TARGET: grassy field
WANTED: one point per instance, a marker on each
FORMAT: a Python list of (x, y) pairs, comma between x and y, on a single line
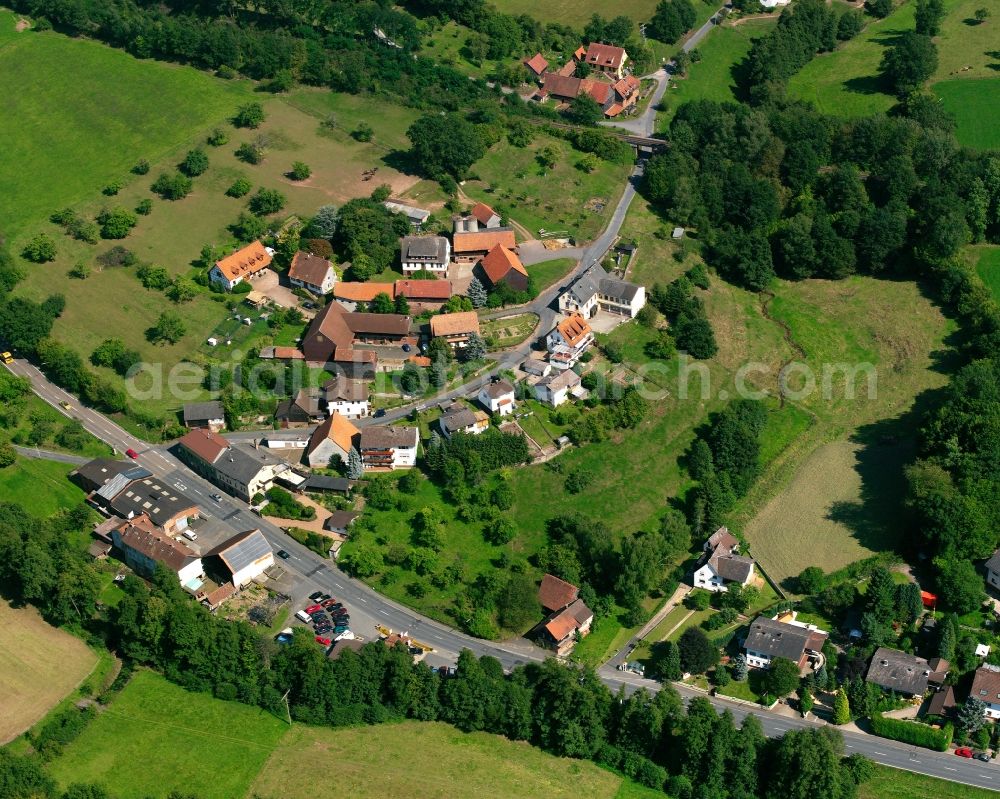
[(80, 93), (845, 82), (560, 199), (413, 759), (37, 413), (890, 783), (39, 665), (973, 103), (156, 737), (548, 272), (40, 486), (712, 77), (988, 267)]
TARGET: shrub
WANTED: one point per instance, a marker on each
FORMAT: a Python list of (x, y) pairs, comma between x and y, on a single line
[(117, 256), (40, 249), (172, 187), (195, 163), (267, 201), (240, 188), (217, 138), (300, 171), (80, 271), (250, 115), (912, 732), (116, 223), (250, 153), (363, 132), (141, 167), (112, 188)]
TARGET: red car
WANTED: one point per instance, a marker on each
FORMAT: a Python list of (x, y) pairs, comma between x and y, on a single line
[(313, 609), (328, 602), (132, 453), (321, 640), (963, 751)]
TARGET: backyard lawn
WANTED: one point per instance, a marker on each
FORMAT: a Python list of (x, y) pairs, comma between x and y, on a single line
[(156, 737), (548, 272), (509, 330)]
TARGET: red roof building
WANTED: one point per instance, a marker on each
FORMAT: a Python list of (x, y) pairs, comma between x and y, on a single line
[(536, 63), (501, 265)]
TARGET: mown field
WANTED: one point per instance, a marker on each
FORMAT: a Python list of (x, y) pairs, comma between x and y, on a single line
[(988, 266), (973, 104), (39, 486), (156, 737), (576, 13), (712, 78), (39, 665), (422, 760), (512, 178), (890, 783)]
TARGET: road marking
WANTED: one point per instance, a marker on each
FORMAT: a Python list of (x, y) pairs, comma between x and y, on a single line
[(950, 768), (850, 746), (881, 754), (383, 612)]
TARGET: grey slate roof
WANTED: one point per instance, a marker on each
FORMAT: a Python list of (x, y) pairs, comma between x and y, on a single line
[(340, 519), (498, 389), (99, 471), (993, 564), (565, 379), (778, 639), (322, 482), (456, 418), (619, 290), (733, 567), (898, 671), (203, 411), (424, 247), (241, 462), (588, 283)]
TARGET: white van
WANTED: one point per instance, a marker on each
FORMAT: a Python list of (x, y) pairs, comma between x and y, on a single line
[(190, 535), (302, 616)]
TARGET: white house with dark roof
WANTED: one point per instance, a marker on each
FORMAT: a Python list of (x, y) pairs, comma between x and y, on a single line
[(312, 273), (554, 389), (904, 673), (425, 253), (208, 415), (722, 565), (350, 398), (595, 290), (498, 397), (387, 447), (459, 418), (784, 637)]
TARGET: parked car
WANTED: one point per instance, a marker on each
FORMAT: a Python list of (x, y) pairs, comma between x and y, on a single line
[(324, 641), (283, 555), (190, 535), (65, 406), (315, 595), (380, 413), (313, 609), (6, 357), (963, 751), (302, 616), (217, 497), (339, 630), (330, 603), (323, 598), (132, 453), (982, 756)]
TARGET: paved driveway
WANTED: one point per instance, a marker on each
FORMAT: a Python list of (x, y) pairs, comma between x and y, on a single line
[(269, 284)]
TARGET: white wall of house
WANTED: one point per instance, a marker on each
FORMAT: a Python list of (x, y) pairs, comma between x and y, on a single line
[(192, 571), (757, 660), (630, 309), (992, 710), (415, 266), (568, 302), (324, 288), (350, 409), (502, 405), (404, 457), (326, 449), (705, 577), (216, 276), (549, 397), (252, 570), (993, 578)]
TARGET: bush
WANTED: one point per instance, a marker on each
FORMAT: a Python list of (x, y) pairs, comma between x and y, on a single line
[(112, 188), (144, 207), (217, 138), (117, 256), (300, 171), (250, 115), (195, 163), (363, 132), (172, 187), (250, 153), (40, 249), (267, 201), (240, 188), (116, 223), (317, 543), (912, 732), (141, 167)]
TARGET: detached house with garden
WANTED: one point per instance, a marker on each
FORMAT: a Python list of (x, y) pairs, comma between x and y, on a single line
[(244, 264), (312, 273), (784, 637), (498, 397), (569, 617), (721, 565)]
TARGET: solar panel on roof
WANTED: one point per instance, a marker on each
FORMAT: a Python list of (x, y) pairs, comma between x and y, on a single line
[(245, 552)]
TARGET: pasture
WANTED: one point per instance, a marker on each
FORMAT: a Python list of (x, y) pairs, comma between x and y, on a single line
[(712, 78), (988, 267), (973, 104), (100, 110), (563, 198), (846, 82), (39, 665), (546, 273), (40, 487), (156, 737), (413, 759)]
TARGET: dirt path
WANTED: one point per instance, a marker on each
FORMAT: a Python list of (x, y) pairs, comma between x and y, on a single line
[(786, 332)]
